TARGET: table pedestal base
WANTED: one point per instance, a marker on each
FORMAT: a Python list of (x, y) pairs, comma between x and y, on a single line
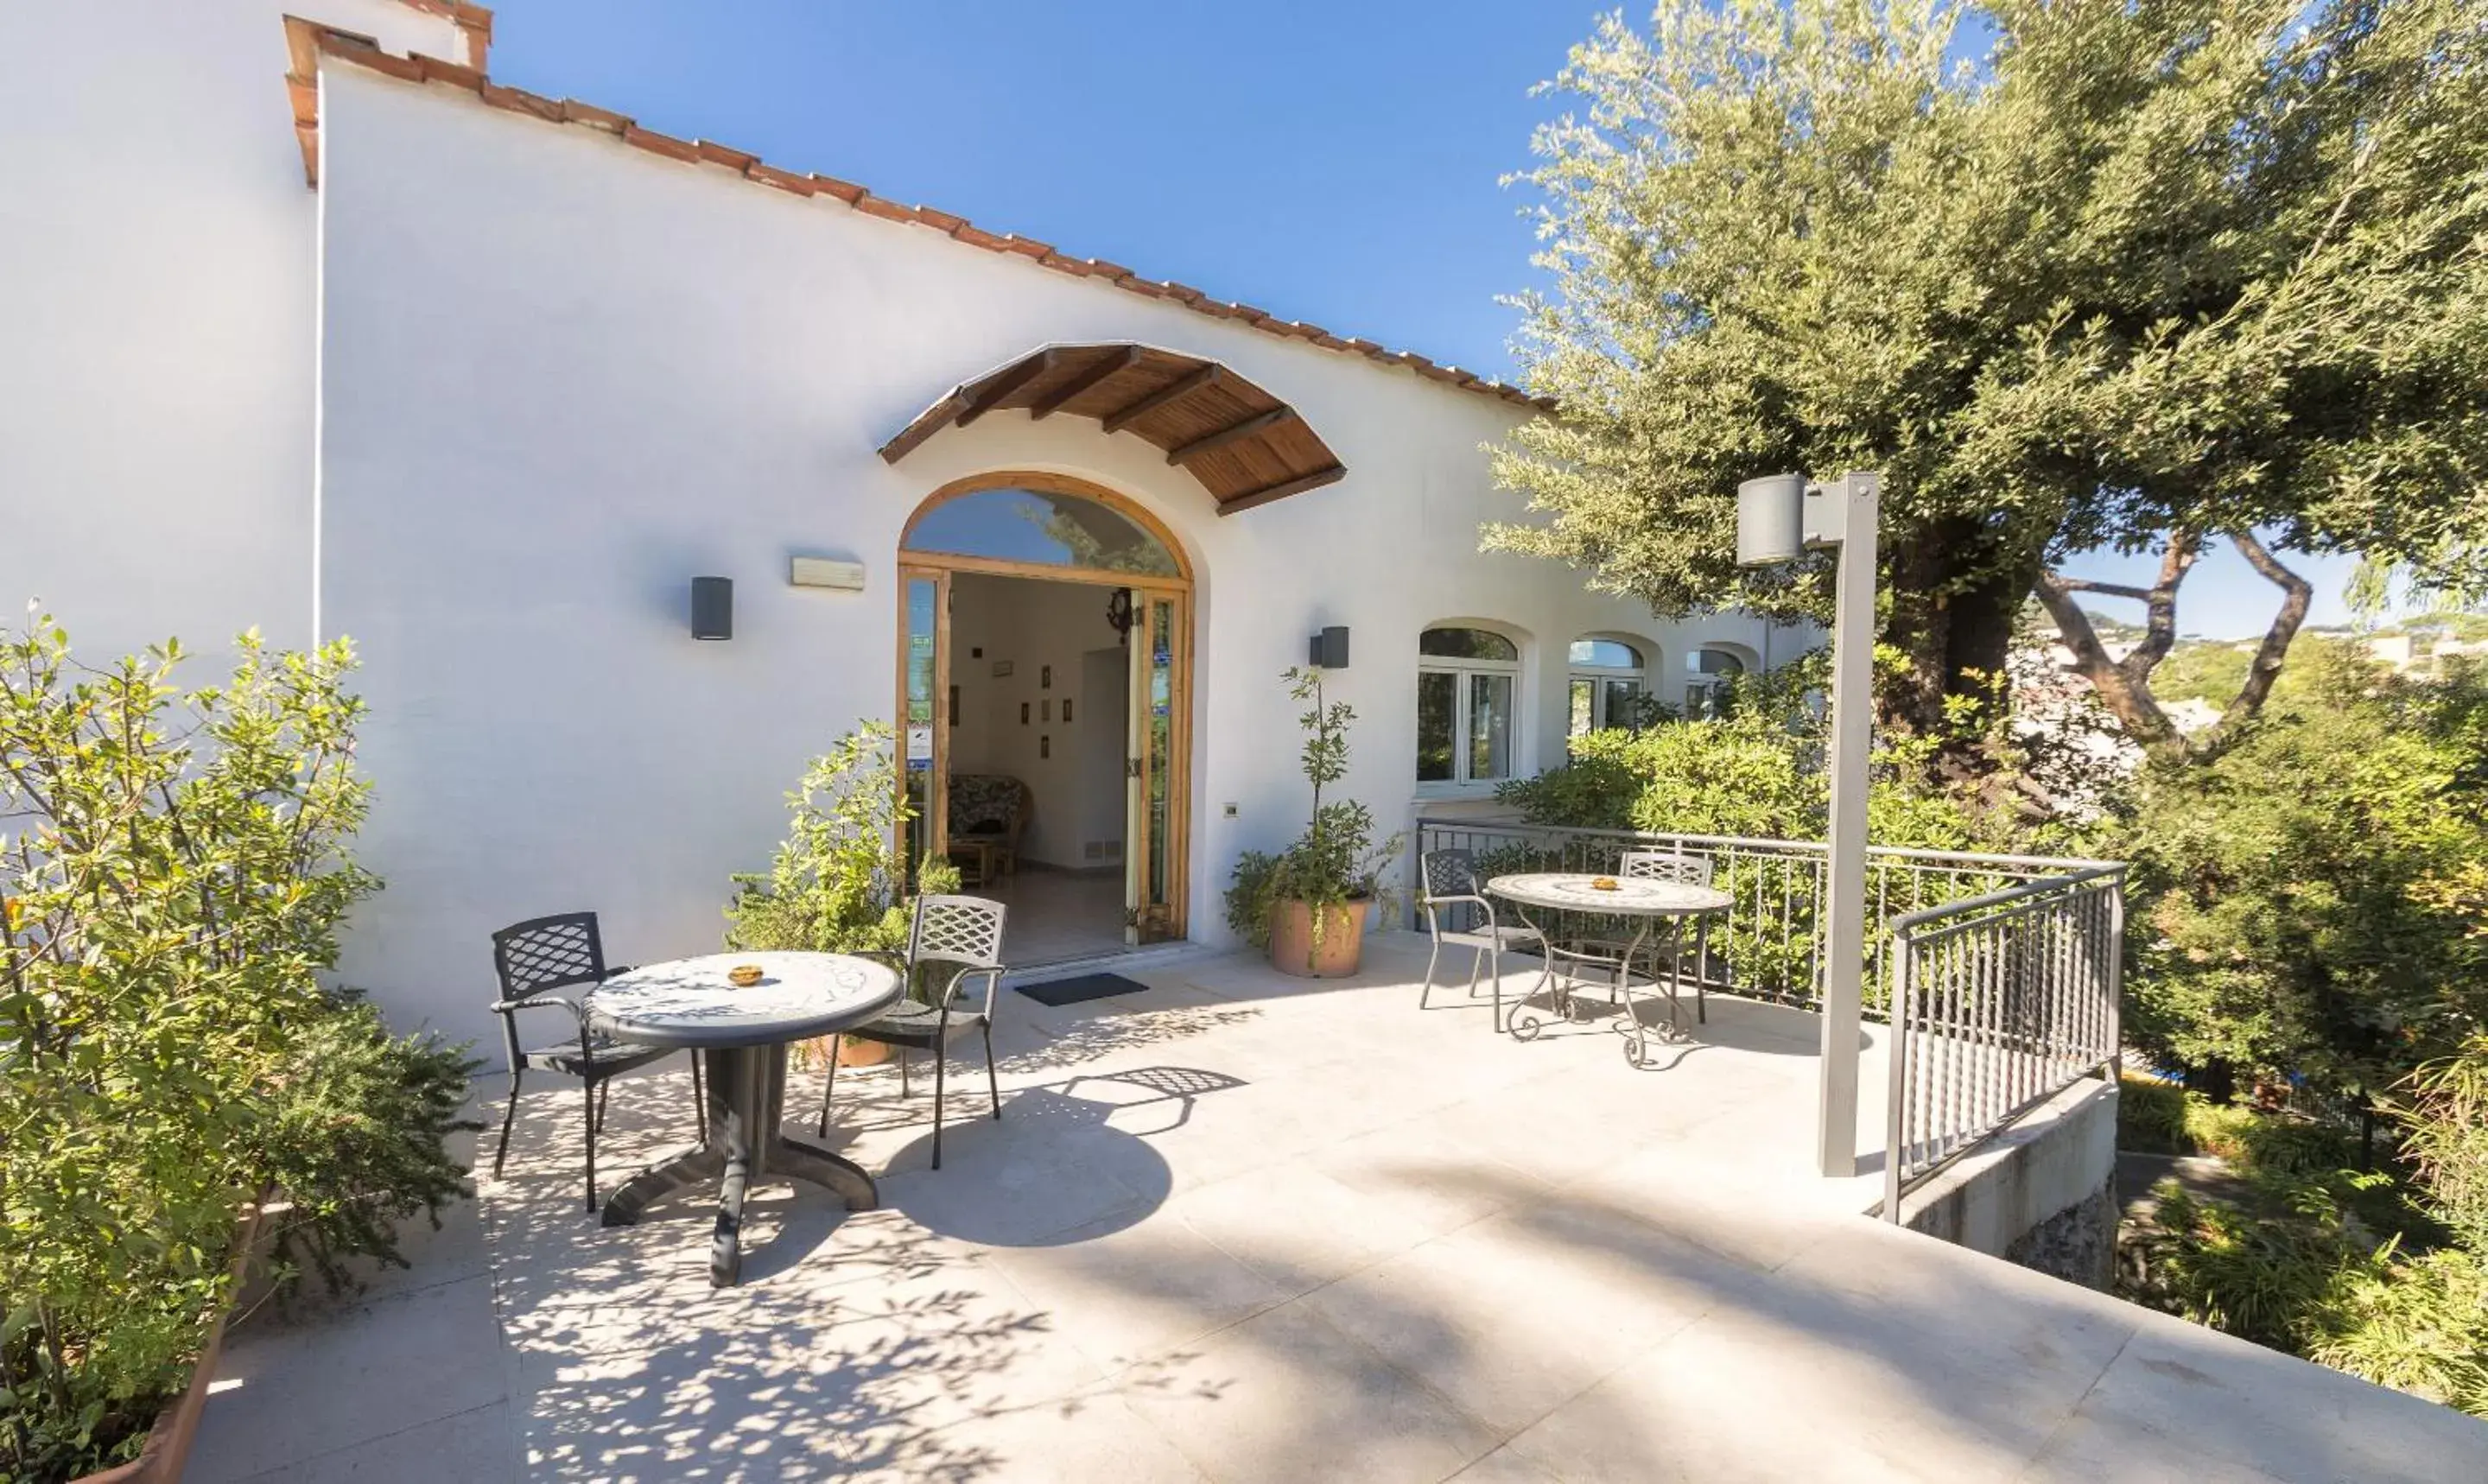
[(747, 1102)]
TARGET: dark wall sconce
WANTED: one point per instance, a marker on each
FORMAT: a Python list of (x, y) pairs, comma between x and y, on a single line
[(712, 607), (1330, 649)]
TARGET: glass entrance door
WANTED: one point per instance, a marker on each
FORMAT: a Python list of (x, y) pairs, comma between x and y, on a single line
[(923, 712), (1154, 847)]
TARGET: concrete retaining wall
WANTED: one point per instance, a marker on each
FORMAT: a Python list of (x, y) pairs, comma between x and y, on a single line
[(2040, 1194)]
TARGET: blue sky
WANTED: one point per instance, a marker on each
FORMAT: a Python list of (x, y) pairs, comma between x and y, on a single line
[(1333, 162)]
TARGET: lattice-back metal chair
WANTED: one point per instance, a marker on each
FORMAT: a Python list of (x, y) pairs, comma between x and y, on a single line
[(1671, 867), (1449, 886), (964, 936), (536, 959)]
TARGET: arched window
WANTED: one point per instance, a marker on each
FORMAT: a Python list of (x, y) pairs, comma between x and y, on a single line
[(1041, 526), (1705, 684), (1609, 678), (1467, 683)]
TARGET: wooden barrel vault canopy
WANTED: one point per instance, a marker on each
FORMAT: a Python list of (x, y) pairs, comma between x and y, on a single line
[(1245, 446)]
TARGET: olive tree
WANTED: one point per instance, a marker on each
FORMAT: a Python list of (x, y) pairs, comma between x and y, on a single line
[(2140, 277)]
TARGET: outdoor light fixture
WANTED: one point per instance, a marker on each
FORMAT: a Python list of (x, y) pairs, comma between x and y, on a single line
[(712, 607), (1779, 517), (1329, 650)]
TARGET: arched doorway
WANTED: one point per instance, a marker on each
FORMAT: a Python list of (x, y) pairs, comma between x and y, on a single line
[(1022, 727)]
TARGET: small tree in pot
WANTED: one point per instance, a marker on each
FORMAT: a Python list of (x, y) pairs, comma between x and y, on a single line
[(1307, 906)]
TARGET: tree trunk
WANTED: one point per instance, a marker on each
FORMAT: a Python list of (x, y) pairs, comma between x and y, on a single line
[(1953, 633)]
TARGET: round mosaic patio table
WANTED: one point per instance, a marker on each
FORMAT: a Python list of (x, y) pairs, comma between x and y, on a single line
[(1646, 902), (741, 1033)]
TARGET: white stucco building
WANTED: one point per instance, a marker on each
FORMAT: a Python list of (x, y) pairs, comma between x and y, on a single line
[(314, 328)]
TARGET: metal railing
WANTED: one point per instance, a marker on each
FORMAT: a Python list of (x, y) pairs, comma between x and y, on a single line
[(1999, 1002), (1771, 944)]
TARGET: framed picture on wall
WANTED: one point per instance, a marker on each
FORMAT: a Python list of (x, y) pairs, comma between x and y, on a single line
[(1001, 668), (1045, 676), (1045, 711), (1022, 714), (1044, 746), (1067, 708), (955, 706)]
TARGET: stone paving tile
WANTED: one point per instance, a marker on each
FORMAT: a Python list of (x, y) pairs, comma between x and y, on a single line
[(296, 1391), (1241, 1227), (465, 1445), (1286, 1397)]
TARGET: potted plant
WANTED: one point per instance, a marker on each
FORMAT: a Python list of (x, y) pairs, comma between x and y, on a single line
[(837, 883), (1307, 906)]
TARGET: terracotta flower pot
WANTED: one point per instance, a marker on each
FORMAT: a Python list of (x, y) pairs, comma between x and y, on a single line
[(1339, 953), (861, 1053)]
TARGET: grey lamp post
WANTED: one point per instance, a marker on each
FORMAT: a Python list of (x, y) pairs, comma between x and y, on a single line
[(1778, 516)]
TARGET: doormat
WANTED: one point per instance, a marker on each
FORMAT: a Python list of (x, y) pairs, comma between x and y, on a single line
[(1071, 992)]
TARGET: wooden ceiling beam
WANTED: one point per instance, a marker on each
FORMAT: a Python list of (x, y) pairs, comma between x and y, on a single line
[(1282, 489), (1185, 453), (1165, 396), (1106, 365), (930, 421), (1008, 379)]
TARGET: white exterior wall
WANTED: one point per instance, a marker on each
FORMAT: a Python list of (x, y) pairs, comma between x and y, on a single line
[(561, 377), (157, 318)]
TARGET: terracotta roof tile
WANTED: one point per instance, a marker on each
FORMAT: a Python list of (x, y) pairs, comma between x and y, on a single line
[(435, 69), (662, 144), (573, 111), (520, 99), (783, 179), (307, 40)]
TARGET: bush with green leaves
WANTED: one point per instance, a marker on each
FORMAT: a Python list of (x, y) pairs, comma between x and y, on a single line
[(1335, 861), (2301, 902), (174, 873), (837, 883), (1755, 771), (2383, 1275)]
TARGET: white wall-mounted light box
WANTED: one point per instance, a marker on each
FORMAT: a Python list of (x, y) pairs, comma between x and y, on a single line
[(827, 572)]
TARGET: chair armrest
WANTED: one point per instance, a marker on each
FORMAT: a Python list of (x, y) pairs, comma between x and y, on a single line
[(542, 1002), (993, 978), (1430, 903)]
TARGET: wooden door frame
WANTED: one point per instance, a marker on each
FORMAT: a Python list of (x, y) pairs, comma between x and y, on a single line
[(942, 566)]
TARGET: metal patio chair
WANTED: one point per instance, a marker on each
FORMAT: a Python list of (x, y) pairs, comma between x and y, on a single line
[(963, 934), (1448, 883), (1655, 866), (535, 959)]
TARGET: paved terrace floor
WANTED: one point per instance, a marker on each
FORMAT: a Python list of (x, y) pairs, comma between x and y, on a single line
[(1243, 1227)]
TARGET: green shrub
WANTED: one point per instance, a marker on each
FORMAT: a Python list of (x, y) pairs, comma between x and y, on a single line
[(2415, 1324), (175, 870), (2151, 1116), (2446, 1138), (838, 882), (354, 1138), (2307, 903), (2291, 1269)]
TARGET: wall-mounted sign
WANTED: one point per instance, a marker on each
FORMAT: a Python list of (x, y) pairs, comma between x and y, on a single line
[(920, 746), (827, 572)]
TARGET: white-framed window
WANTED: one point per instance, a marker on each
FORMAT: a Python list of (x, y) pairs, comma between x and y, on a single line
[(1609, 679), (1468, 687), (1707, 674)]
